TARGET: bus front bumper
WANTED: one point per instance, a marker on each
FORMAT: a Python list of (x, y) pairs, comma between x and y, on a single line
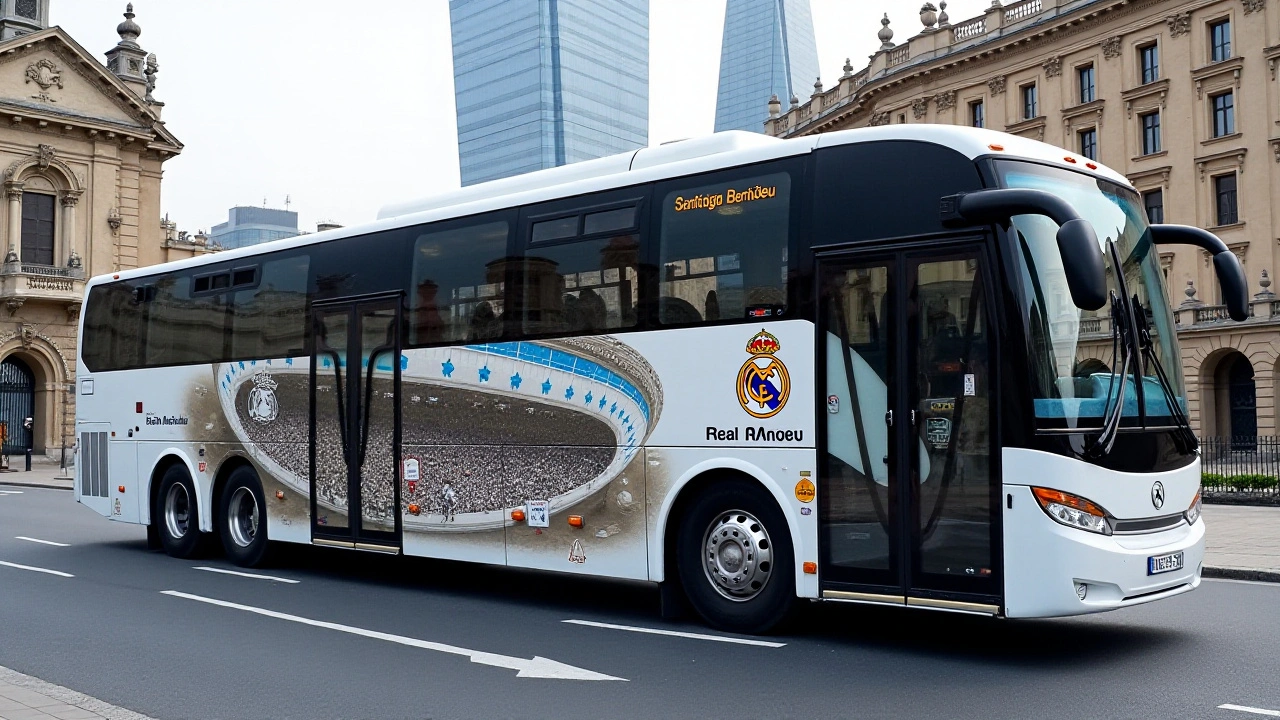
[(1046, 562)]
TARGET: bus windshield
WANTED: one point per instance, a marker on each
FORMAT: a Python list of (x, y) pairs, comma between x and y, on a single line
[(1078, 356)]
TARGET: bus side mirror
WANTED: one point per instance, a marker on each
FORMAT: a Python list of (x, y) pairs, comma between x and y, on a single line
[(1077, 242), (1235, 291)]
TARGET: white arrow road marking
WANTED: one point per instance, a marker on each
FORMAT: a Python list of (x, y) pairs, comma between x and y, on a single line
[(35, 569), (245, 574), (1255, 711), (42, 542), (538, 667), (675, 633)]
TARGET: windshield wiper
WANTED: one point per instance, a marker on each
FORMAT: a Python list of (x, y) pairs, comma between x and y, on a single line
[(1184, 437), (1122, 350)]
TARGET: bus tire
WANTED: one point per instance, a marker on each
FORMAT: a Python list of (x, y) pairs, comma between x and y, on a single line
[(734, 558), (176, 516), (242, 518)]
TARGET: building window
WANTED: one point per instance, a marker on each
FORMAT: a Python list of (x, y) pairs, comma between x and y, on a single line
[(1224, 114), (1149, 57), (1220, 40), (1089, 143), (1150, 133), (977, 114), (1088, 91), (1030, 108), (1154, 203), (37, 228), (27, 8), (1224, 188)]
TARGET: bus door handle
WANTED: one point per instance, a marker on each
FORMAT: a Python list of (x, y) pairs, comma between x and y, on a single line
[(888, 418)]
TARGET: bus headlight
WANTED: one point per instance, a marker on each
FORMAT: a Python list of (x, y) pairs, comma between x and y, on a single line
[(1072, 510), (1193, 512)]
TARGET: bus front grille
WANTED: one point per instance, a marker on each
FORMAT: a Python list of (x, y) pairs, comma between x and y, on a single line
[(93, 464)]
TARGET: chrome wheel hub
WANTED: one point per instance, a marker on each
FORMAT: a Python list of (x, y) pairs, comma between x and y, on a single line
[(177, 510), (242, 517), (738, 556)]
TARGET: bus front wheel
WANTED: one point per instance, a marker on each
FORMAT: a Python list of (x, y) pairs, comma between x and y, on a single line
[(242, 518), (176, 518), (735, 559)]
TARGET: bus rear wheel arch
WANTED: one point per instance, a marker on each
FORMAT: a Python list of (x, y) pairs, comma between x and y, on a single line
[(242, 517), (734, 557)]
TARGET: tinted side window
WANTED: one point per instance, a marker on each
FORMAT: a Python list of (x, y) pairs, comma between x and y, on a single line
[(723, 250), (270, 320), (359, 265), (182, 328), (112, 328), (582, 286), (456, 294)]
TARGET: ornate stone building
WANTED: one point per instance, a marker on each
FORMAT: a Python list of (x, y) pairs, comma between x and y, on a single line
[(1181, 96), (82, 144)]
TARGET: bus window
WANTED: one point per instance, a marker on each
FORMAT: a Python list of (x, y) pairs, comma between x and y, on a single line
[(582, 287), (182, 328), (112, 328), (458, 284), (723, 251), (270, 320)]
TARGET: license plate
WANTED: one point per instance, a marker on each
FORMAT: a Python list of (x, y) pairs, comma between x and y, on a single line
[(1164, 563)]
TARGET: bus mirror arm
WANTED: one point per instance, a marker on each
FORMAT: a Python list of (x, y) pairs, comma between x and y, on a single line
[(1235, 290), (1077, 242)]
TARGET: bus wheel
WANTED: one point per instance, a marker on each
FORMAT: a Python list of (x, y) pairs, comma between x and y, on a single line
[(176, 518), (734, 558), (242, 518)]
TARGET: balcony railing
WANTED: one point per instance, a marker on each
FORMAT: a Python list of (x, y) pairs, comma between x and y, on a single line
[(1024, 9), (969, 29), (19, 279)]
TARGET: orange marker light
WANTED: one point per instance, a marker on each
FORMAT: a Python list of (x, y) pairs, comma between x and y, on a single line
[(1091, 166), (997, 148), (115, 277), (517, 515), (575, 521), (811, 568), (414, 509), (1070, 160), (279, 494), (121, 488)]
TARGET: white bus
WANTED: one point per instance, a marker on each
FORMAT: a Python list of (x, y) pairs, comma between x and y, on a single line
[(847, 367)]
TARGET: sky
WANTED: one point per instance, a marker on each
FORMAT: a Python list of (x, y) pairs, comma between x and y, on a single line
[(344, 107)]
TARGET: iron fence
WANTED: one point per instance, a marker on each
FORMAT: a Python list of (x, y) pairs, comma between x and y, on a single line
[(1243, 466)]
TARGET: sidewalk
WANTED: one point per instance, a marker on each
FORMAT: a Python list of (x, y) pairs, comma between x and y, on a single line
[(23, 697), (1243, 542), (43, 474)]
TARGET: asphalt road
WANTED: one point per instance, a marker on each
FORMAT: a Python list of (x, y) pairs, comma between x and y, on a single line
[(360, 636)]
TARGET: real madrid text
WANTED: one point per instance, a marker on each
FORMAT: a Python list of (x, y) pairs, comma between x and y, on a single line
[(754, 434)]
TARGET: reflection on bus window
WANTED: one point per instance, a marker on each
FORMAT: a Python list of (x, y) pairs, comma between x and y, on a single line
[(723, 251), (458, 284)]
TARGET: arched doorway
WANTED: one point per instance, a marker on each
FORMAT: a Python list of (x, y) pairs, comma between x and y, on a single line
[(17, 403), (1242, 404)]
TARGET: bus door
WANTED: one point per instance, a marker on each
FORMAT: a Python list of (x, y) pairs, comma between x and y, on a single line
[(355, 423), (909, 493)]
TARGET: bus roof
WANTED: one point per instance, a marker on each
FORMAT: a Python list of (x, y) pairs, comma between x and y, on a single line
[(686, 157)]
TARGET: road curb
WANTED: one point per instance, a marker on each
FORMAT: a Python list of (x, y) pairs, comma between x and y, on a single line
[(47, 486), (1242, 574)]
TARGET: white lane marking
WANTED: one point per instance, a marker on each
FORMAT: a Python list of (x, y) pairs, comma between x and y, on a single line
[(1243, 582), (1254, 710), (42, 542), (538, 667), (674, 633), (36, 569), (10, 492), (245, 574)]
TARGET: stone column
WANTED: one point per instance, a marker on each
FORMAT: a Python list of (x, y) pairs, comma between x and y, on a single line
[(69, 252), (14, 192)]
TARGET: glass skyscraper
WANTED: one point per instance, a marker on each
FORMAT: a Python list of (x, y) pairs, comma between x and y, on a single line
[(248, 225), (768, 49), (541, 83)]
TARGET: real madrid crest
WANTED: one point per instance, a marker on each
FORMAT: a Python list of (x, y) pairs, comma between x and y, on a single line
[(763, 382), (262, 403)]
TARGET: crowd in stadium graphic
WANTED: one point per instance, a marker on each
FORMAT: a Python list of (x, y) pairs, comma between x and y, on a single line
[(484, 427)]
